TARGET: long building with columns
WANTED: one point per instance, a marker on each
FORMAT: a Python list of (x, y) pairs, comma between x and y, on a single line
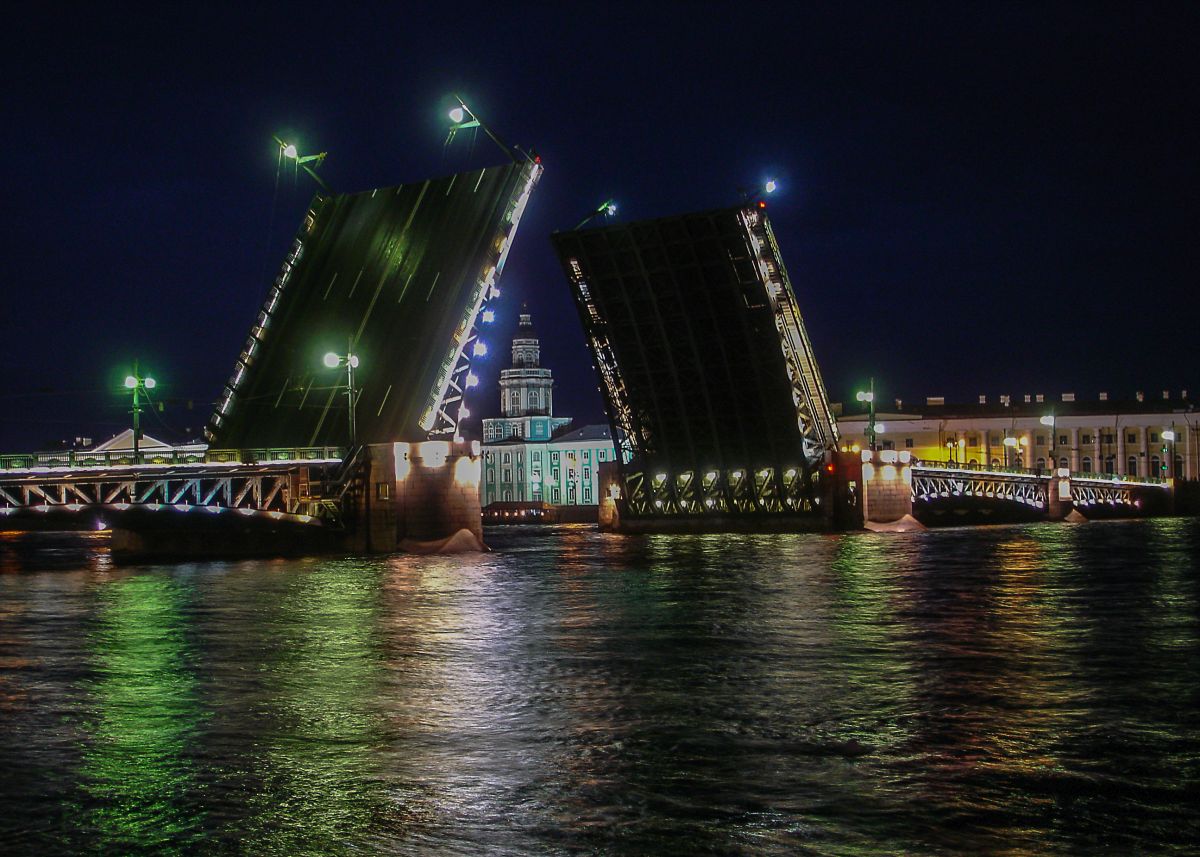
[(1140, 436)]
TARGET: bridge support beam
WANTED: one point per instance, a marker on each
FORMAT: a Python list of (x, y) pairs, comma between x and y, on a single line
[(887, 486)]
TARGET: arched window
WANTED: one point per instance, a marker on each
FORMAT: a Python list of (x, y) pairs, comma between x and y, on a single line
[(1086, 464), (973, 463), (1178, 471), (1155, 466), (1110, 464), (1131, 466), (1041, 464), (995, 462), (1063, 462)]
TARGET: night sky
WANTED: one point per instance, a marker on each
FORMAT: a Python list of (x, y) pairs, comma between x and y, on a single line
[(990, 198)]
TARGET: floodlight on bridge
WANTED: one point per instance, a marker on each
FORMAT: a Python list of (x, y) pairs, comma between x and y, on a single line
[(488, 316), (1168, 435), (771, 186)]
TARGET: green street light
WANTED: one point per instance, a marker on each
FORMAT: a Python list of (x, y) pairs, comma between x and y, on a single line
[(350, 360), (138, 384)]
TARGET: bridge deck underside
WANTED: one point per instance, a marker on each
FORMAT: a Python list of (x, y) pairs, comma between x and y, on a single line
[(687, 330), (397, 275)]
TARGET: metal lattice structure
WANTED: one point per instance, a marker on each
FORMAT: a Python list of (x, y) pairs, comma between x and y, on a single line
[(930, 484), (710, 383), (1105, 492), (397, 276), (303, 486)]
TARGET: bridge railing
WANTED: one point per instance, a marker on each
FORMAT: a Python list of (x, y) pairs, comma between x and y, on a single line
[(1118, 477), (81, 459), (929, 464)]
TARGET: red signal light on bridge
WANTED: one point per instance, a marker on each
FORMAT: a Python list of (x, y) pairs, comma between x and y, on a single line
[(762, 204), (829, 468)]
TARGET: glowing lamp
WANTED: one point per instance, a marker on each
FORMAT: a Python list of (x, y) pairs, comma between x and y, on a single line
[(488, 316), (770, 186), (149, 383), (1010, 441), (880, 428), (472, 379), (456, 115), (1168, 435), (353, 361), (1047, 420), (130, 381), (463, 413), (480, 349), (289, 151)]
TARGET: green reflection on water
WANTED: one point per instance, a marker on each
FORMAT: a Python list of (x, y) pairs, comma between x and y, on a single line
[(136, 768), (319, 789), (868, 629)]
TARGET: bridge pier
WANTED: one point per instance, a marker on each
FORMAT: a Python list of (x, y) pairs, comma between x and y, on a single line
[(887, 486)]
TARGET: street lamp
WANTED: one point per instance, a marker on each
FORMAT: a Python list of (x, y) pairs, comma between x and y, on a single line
[(289, 151), (350, 361), (1169, 435), (1016, 445), (608, 208), (869, 398), (1048, 420), (139, 384)]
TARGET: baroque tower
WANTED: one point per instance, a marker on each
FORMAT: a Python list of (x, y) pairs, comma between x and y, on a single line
[(526, 389)]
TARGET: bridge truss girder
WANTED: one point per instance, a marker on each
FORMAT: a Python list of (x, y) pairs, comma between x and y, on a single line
[(929, 486)]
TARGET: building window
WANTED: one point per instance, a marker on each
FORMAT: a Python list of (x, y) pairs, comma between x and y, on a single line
[(1155, 466), (491, 475), (507, 475), (600, 455), (908, 443), (1085, 438), (1040, 440), (887, 444), (1131, 465), (1131, 437), (587, 455), (507, 456), (1086, 464), (554, 475), (1041, 464), (1062, 462), (1154, 437), (587, 474), (383, 490), (1108, 438), (995, 462), (1063, 440), (587, 495), (554, 458), (1110, 464), (973, 441), (537, 456), (520, 458)]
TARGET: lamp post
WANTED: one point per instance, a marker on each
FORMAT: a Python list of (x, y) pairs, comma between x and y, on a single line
[(869, 398), (1015, 445), (1048, 420), (350, 361), (1169, 435), (139, 384), (755, 194)]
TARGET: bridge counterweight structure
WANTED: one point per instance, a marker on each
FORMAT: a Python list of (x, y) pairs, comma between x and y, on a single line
[(715, 399)]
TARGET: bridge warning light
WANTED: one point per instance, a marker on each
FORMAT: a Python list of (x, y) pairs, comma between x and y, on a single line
[(480, 349), (489, 316), (830, 467)]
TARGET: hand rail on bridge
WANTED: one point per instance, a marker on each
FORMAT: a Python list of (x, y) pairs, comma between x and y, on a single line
[(1042, 472), (85, 459)]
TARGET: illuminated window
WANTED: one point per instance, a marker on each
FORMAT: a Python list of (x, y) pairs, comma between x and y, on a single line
[(383, 490), (1063, 440)]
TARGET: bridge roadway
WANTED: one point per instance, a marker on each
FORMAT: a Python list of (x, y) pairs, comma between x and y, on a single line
[(299, 485)]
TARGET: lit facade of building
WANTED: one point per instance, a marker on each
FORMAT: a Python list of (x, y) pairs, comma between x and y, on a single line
[(562, 472), (526, 457), (1140, 437)]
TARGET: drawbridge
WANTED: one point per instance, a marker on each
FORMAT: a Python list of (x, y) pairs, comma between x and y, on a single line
[(709, 378)]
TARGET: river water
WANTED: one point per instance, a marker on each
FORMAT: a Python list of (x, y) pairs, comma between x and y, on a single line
[(1020, 690)]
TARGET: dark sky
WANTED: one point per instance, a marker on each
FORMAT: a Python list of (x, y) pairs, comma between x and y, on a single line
[(974, 197)]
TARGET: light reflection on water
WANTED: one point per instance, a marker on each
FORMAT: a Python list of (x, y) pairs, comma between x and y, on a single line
[(1022, 689)]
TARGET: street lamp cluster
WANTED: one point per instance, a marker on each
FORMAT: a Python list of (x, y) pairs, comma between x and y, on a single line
[(138, 384)]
